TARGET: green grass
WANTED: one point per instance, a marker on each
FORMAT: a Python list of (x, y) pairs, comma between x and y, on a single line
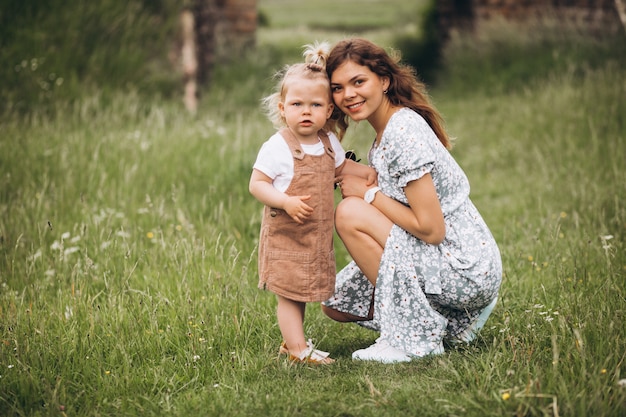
[(346, 15), (128, 255)]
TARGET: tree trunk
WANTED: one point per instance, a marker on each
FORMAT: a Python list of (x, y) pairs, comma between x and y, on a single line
[(189, 61), (620, 6), (206, 13), (211, 31)]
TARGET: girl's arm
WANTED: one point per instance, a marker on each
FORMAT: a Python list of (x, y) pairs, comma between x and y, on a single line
[(262, 189)]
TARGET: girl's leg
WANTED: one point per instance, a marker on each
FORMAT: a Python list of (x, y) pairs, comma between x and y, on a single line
[(364, 231), (290, 315)]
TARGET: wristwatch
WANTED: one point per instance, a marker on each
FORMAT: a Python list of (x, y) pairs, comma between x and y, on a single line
[(370, 194)]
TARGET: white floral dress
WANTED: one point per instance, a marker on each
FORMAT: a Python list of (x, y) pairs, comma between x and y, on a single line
[(424, 292)]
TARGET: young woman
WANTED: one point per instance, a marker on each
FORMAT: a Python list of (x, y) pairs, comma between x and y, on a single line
[(415, 238), (293, 177)]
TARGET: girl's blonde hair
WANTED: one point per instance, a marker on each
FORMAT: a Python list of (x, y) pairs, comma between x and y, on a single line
[(313, 68), (405, 89)]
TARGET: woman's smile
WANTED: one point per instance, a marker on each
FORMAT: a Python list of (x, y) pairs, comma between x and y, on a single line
[(356, 106), (357, 90)]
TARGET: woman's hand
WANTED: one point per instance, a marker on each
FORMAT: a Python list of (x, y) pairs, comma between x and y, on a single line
[(371, 176), (356, 169), (355, 179), (354, 186)]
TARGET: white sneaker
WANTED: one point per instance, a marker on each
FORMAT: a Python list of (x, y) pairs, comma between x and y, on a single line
[(381, 352)]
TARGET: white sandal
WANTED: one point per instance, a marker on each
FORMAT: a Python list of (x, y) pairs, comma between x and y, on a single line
[(309, 355)]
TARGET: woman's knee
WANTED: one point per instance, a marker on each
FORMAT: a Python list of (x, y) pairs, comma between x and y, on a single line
[(348, 213)]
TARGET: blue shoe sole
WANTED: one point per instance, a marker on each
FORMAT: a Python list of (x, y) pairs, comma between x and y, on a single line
[(469, 334)]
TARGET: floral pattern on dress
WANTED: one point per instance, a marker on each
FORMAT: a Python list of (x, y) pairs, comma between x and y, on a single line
[(423, 292)]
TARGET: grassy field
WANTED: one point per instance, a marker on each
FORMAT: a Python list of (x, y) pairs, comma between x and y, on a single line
[(128, 248)]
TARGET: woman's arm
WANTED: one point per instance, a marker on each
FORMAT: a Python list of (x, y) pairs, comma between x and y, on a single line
[(351, 167), (423, 217), (262, 189)]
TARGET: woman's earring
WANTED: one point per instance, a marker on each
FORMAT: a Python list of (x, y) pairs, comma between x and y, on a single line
[(385, 91)]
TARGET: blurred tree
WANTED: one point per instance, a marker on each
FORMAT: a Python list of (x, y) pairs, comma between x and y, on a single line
[(225, 30), (206, 18), (424, 52), (620, 6)]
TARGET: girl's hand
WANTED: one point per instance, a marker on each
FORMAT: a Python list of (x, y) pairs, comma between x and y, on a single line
[(261, 187), (297, 209)]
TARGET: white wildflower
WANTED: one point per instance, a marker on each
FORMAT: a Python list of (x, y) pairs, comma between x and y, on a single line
[(71, 250)]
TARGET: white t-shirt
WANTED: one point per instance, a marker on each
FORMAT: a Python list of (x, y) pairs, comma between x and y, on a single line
[(276, 161)]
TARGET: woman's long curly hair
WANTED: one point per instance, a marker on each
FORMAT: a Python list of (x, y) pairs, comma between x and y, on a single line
[(405, 89)]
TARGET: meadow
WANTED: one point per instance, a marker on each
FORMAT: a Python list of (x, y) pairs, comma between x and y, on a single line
[(128, 239)]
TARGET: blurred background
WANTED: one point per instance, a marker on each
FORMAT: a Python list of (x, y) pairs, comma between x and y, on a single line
[(61, 50)]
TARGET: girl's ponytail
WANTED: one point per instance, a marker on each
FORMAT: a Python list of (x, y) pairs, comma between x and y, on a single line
[(316, 55)]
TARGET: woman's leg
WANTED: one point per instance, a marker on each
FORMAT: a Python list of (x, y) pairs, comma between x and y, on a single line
[(290, 315), (364, 231), (343, 317)]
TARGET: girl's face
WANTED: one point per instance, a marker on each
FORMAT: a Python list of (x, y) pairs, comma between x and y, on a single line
[(306, 107), (357, 91)]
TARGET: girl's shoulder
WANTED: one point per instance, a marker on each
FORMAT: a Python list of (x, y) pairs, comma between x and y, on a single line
[(277, 141), (274, 147), (332, 137)]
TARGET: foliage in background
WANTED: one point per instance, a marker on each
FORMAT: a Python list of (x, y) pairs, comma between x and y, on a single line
[(330, 15), (423, 50), (60, 50), (503, 57)]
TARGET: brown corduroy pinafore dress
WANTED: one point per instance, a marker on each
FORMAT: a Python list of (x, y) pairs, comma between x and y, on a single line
[(297, 261)]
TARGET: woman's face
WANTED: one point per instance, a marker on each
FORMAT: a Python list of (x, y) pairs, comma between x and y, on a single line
[(357, 91)]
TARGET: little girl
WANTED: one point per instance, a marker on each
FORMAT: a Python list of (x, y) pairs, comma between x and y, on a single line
[(293, 177)]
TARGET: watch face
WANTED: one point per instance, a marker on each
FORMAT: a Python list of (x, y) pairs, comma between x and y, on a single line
[(369, 194)]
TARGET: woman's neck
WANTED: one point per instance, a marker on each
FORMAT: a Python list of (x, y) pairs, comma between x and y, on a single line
[(381, 117)]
